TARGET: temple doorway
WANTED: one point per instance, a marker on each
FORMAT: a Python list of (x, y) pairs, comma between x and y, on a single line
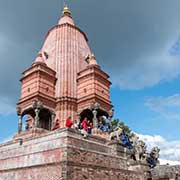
[(89, 114), (45, 119), (86, 113)]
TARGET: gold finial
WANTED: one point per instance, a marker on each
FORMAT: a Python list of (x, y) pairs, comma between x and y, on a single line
[(66, 10)]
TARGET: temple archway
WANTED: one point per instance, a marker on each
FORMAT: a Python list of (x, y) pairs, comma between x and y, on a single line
[(45, 119), (89, 114), (101, 112), (29, 111), (27, 119), (102, 116), (86, 113)]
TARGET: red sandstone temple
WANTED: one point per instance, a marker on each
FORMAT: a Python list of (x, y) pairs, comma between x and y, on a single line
[(64, 80)]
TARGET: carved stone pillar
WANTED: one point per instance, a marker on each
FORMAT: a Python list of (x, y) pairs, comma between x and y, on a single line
[(52, 120), (18, 109), (19, 124), (37, 106), (94, 108), (36, 123), (95, 121)]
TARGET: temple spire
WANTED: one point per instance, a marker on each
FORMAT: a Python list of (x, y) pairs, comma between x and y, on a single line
[(66, 16)]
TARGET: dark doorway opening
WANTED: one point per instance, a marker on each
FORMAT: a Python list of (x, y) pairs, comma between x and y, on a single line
[(45, 119)]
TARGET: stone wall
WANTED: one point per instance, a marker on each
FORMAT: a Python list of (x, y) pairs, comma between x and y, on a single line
[(63, 154), (166, 172)]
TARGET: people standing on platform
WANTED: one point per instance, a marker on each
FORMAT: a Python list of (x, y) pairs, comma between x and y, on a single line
[(69, 122), (57, 125), (76, 125), (84, 125), (100, 126), (90, 126), (107, 127)]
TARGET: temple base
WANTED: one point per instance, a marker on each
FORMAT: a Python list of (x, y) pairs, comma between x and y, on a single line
[(30, 133), (63, 154)]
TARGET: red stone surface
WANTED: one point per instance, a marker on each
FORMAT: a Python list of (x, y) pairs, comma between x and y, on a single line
[(60, 75), (62, 154), (66, 83)]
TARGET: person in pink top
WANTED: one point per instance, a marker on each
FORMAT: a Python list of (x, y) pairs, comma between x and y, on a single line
[(84, 124)]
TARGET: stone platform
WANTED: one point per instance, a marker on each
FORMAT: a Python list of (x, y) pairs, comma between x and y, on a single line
[(63, 155)]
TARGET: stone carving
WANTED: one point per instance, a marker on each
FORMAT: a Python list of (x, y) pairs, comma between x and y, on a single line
[(95, 121), (18, 110), (139, 151), (37, 106), (94, 108), (116, 134), (137, 148), (111, 113), (134, 140), (91, 60), (152, 157)]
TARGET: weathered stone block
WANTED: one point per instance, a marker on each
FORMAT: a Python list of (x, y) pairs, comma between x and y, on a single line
[(63, 154)]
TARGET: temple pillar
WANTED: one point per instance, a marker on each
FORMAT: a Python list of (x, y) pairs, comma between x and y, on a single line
[(53, 115), (18, 109), (36, 123), (95, 121), (19, 124), (37, 106)]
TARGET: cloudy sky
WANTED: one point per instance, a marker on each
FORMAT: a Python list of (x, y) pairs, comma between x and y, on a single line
[(136, 42)]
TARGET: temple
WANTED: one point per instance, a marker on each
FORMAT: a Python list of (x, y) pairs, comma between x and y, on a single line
[(64, 80), (63, 86)]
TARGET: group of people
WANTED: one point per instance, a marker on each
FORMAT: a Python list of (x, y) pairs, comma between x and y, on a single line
[(103, 124), (84, 126)]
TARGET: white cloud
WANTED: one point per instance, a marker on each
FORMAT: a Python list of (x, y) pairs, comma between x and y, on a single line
[(168, 107), (164, 162), (148, 71), (170, 150)]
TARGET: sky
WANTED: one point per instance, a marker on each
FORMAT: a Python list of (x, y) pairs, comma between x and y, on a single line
[(136, 42)]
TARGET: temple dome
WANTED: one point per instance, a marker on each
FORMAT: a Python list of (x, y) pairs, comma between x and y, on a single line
[(66, 17)]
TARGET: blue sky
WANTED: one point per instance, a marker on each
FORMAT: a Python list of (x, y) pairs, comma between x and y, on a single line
[(131, 107), (136, 42)]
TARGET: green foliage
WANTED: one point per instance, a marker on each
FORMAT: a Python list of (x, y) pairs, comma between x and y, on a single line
[(116, 123)]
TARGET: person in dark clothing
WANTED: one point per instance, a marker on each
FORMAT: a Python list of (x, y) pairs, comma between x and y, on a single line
[(125, 140)]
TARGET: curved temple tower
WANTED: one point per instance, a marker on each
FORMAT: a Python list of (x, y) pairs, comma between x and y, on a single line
[(64, 80)]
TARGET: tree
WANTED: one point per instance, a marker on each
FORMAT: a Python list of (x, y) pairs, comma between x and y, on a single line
[(116, 123)]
